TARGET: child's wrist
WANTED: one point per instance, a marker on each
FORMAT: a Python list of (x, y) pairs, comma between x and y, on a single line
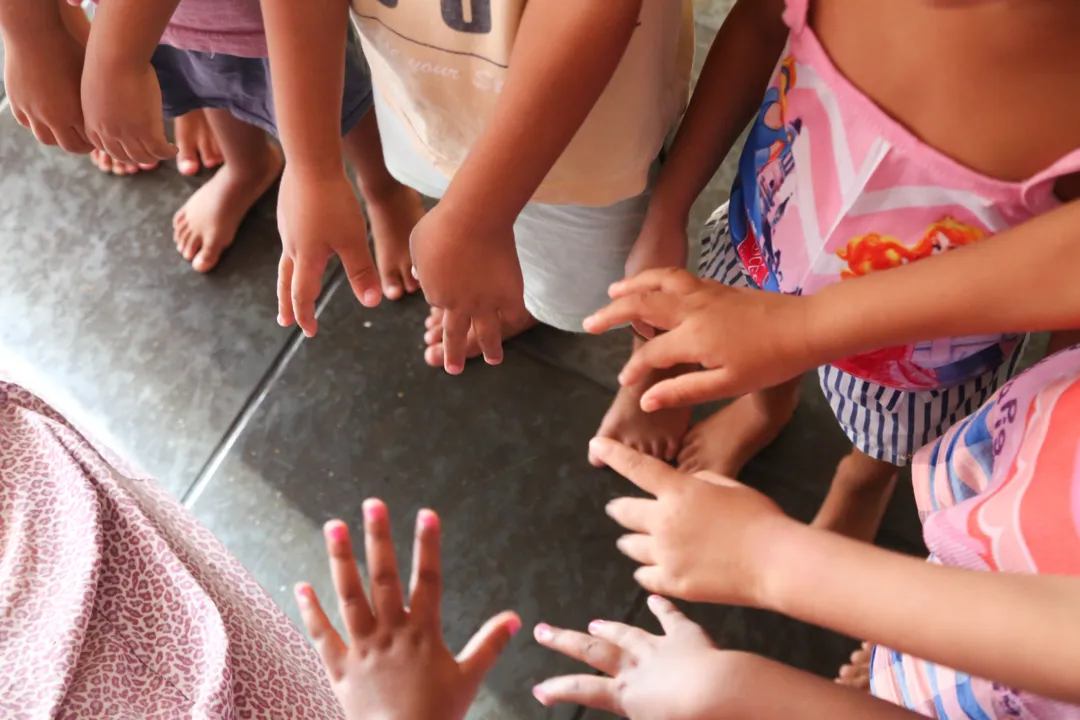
[(778, 549)]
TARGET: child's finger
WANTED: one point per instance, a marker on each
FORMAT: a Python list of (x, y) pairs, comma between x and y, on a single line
[(676, 281), (639, 548), (425, 587), (652, 578), (629, 638), (483, 650), (591, 691), (306, 286), (632, 513), (285, 316), (352, 602), (655, 309), (693, 388), (325, 638), (661, 352), (671, 620), (386, 596), (647, 472), (594, 652), (361, 272), (455, 336), (488, 332)]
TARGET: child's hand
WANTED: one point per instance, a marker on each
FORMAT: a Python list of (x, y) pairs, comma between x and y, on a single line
[(396, 664), (746, 339), (704, 538), (468, 266), (319, 217), (643, 676), (122, 105), (41, 75)]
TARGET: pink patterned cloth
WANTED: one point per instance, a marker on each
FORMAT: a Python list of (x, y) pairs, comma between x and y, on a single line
[(115, 603)]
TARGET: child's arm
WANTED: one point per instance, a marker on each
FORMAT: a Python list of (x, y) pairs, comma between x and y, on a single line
[(710, 539), (726, 98), (680, 675), (1022, 280), (318, 212), (564, 55), (42, 70), (120, 92)]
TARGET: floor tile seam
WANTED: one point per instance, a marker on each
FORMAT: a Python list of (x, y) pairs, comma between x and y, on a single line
[(255, 399)]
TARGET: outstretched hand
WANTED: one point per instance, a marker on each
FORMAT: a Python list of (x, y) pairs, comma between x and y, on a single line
[(394, 661), (745, 339), (702, 537), (642, 676)]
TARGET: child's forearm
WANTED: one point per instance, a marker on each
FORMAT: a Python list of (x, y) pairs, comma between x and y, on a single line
[(307, 43), (1004, 627), (564, 55), (1023, 280), (755, 688), (126, 32), (727, 96)]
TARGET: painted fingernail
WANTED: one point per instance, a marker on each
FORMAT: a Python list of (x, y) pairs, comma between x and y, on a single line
[(655, 601), (513, 625), (302, 591), (337, 531), (542, 632), (374, 510), (428, 519), (541, 697), (595, 625), (371, 297)]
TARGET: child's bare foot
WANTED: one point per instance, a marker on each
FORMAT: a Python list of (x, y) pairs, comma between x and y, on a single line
[(856, 674), (106, 164), (658, 433), (858, 496), (512, 325), (198, 146), (393, 218), (724, 442), (207, 223)]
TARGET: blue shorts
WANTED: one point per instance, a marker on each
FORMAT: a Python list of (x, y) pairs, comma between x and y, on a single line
[(192, 80)]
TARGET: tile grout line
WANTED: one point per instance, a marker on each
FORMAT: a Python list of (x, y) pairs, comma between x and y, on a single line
[(255, 400)]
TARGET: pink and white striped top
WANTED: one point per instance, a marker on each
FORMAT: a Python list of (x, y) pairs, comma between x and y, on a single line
[(831, 187)]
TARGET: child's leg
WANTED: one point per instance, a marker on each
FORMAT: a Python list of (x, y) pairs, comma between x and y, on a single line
[(726, 441), (657, 433), (393, 209), (207, 223), (858, 496)]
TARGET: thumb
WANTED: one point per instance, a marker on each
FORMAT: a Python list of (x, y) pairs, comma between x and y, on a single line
[(483, 650)]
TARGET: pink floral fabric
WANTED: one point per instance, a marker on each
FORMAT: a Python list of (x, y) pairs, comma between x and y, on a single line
[(115, 603)]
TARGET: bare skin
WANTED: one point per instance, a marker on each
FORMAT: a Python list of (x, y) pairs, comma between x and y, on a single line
[(658, 433), (858, 496), (511, 325), (724, 442), (856, 674), (207, 223), (197, 143), (393, 209)]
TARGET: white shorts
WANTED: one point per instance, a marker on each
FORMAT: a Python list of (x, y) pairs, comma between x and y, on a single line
[(569, 254), (883, 422)]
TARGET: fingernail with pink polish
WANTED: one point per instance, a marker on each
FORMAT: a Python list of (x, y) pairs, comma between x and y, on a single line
[(513, 625), (541, 697), (337, 531), (542, 632), (373, 510), (595, 625)]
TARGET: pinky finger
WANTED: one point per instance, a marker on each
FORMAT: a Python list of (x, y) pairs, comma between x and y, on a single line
[(489, 337), (327, 642), (593, 691), (693, 388)]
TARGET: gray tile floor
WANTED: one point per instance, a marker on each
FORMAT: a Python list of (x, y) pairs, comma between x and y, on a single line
[(265, 435)]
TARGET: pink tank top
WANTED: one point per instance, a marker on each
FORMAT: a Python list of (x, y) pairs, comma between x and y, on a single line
[(830, 187), (230, 27)]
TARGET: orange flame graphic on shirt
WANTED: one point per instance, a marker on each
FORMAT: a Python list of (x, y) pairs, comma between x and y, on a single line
[(871, 252)]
